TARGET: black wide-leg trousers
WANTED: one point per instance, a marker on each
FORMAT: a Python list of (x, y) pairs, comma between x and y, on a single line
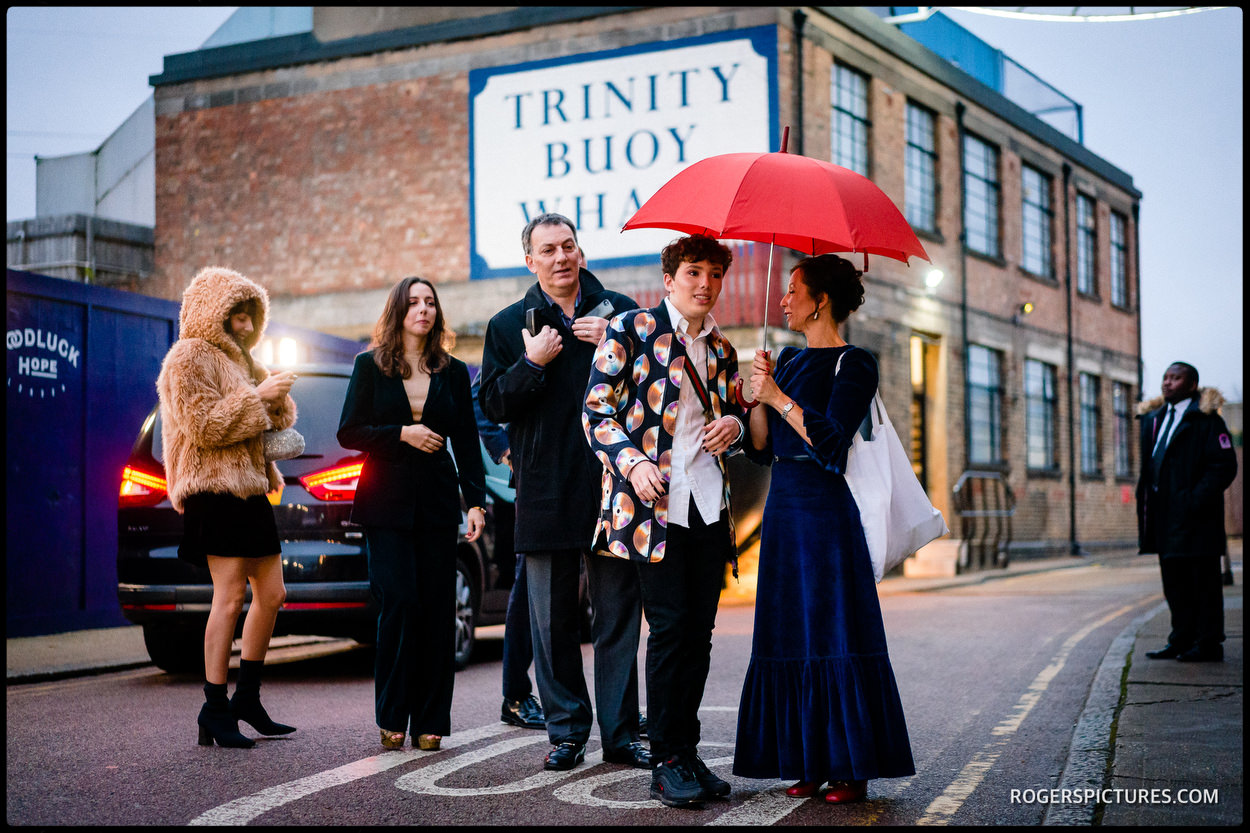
[(412, 574)]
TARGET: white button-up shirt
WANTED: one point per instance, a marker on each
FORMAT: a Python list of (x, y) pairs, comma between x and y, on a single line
[(1179, 409), (694, 471)]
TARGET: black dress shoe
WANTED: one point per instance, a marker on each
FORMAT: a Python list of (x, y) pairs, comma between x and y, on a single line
[(1209, 653), (1168, 651), (713, 785), (565, 756), (633, 754), (524, 713)]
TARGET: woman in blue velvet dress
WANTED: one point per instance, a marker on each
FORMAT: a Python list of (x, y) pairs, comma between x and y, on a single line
[(819, 703)]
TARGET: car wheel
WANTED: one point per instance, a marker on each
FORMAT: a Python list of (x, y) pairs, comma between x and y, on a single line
[(466, 614), (178, 650)]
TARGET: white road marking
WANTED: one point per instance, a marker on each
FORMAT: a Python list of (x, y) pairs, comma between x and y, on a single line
[(245, 809), (942, 808), (425, 780), (582, 792)]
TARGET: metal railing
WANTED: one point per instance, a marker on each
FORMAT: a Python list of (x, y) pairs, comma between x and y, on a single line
[(984, 505)]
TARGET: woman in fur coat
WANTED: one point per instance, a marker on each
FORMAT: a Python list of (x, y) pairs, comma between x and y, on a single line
[(215, 404)]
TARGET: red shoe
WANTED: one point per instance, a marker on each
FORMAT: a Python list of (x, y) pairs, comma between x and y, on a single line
[(846, 792), (803, 789)]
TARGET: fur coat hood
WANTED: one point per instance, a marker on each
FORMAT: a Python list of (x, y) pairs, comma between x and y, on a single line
[(212, 417), (1210, 400)]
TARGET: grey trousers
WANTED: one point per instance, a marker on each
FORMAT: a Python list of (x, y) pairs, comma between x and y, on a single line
[(553, 579)]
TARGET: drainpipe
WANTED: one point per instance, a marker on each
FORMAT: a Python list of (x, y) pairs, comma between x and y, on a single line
[(963, 281), (800, 18), (1136, 297), (1074, 544)]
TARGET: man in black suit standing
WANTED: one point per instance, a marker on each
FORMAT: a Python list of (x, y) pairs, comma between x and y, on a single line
[(1187, 461), (535, 363)]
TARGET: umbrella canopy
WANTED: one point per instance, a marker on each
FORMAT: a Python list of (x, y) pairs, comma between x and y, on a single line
[(783, 198)]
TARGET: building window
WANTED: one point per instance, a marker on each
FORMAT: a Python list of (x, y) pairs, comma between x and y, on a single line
[(982, 189), (1091, 425), (1086, 246), (1036, 220), (985, 405), (1121, 398), (921, 169), (850, 119), (1119, 261), (1041, 407)]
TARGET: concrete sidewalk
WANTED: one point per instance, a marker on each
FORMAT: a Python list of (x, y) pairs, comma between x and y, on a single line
[(1158, 742)]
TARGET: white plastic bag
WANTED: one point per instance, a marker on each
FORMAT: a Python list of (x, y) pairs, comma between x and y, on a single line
[(897, 516)]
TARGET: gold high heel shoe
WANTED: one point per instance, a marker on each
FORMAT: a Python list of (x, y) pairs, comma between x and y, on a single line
[(430, 743), (392, 740)]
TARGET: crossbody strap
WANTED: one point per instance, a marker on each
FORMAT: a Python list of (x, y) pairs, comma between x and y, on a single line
[(700, 391)]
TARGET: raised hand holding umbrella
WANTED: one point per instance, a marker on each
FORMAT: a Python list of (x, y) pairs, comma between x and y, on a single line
[(783, 199)]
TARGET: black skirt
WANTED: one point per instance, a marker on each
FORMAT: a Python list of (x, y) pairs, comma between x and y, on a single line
[(226, 525)]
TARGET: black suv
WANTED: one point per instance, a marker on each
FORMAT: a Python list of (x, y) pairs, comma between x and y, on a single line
[(323, 552)]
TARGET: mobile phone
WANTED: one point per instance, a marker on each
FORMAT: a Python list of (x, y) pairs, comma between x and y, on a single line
[(531, 320), (603, 310)]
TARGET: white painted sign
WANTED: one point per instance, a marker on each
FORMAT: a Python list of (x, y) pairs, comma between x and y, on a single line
[(593, 136)]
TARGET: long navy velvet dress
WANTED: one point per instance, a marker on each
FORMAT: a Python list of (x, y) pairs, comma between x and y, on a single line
[(819, 702)]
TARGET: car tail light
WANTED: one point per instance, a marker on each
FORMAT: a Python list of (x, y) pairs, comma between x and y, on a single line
[(338, 483), (140, 488)]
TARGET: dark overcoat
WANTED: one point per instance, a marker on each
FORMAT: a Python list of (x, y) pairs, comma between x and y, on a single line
[(556, 474), (1183, 512)]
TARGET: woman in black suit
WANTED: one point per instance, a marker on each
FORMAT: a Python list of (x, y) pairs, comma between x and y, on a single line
[(407, 394)]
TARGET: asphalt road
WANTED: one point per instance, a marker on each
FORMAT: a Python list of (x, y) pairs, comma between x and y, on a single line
[(993, 678)]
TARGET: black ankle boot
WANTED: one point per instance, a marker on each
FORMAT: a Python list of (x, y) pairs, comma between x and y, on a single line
[(216, 721), (245, 705)]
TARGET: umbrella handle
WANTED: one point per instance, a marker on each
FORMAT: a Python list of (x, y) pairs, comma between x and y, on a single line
[(742, 400)]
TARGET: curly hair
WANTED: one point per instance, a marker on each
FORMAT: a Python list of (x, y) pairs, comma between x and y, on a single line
[(836, 279), (694, 248), (388, 334)]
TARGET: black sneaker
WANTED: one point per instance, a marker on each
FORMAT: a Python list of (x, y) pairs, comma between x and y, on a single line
[(715, 787), (642, 725), (524, 713), (674, 784)]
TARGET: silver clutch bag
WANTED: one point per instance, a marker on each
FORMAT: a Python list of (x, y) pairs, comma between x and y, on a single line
[(283, 445)]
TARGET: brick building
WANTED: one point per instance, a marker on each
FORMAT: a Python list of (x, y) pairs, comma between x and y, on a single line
[(391, 141)]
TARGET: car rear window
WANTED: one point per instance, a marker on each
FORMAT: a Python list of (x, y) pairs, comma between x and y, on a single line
[(319, 404)]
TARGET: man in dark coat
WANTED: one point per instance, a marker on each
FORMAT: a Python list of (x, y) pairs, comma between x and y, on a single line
[(535, 364), (1187, 461)]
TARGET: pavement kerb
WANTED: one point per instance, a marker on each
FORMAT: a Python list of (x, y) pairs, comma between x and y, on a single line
[(1092, 750)]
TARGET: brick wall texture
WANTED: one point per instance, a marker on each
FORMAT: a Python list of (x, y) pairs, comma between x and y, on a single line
[(330, 180)]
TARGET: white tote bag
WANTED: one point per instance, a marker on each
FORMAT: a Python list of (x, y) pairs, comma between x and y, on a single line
[(897, 516)]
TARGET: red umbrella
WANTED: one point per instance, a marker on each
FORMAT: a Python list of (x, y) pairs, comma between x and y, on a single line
[(784, 199)]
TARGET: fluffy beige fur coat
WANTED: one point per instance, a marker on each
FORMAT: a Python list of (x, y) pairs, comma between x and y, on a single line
[(212, 418)]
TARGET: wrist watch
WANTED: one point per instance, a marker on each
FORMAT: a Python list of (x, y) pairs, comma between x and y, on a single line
[(785, 412)]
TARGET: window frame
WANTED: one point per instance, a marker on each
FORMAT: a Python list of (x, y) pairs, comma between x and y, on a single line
[(859, 135), (1122, 430), (1086, 246), (1119, 260), (920, 168), (989, 197), (990, 392), (1037, 222), (1089, 395), (1043, 404)]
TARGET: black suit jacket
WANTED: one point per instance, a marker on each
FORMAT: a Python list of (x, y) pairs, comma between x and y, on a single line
[(399, 485)]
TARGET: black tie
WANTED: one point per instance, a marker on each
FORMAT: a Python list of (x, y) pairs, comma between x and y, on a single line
[(1161, 445)]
